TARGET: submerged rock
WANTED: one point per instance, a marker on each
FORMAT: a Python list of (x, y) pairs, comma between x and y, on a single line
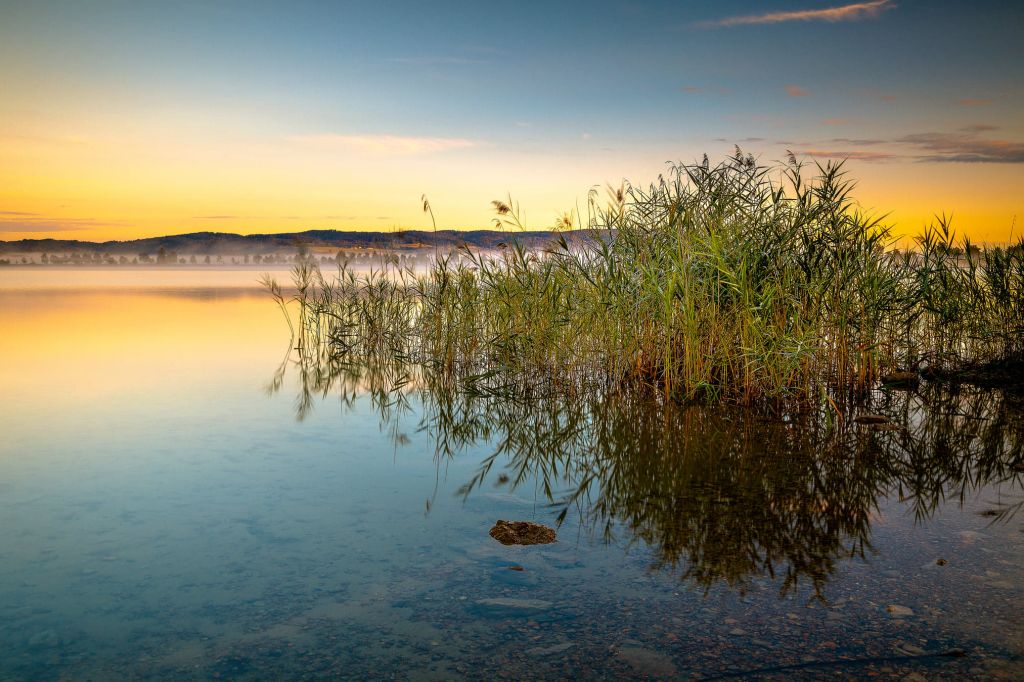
[(513, 603), (910, 649), (549, 650), (648, 662), (522, 533), (898, 611)]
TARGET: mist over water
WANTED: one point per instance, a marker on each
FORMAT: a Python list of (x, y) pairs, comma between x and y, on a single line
[(179, 498)]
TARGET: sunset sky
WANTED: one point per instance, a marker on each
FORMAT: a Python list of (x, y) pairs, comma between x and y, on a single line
[(128, 119)]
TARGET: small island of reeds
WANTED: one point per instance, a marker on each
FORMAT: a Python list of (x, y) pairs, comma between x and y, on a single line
[(733, 282)]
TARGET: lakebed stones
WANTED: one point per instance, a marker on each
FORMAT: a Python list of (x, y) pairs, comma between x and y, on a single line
[(522, 533), (550, 650), (514, 603)]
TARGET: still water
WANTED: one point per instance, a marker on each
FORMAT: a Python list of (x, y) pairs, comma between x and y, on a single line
[(180, 500)]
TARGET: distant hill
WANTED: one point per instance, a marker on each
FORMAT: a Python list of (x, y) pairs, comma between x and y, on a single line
[(224, 243)]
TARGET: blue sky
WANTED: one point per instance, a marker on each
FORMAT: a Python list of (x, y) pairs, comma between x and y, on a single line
[(540, 99)]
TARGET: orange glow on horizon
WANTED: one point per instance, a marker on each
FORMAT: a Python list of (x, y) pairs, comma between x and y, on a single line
[(107, 187)]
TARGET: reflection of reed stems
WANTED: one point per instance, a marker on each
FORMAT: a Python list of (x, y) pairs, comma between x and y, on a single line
[(720, 494)]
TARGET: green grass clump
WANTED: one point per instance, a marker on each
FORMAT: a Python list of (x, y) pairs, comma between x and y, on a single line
[(734, 282)]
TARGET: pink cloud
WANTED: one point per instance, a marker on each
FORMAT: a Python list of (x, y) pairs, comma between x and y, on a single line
[(965, 148), (849, 154), (796, 91), (857, 11)]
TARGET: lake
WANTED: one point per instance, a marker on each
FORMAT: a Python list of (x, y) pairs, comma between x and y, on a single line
[(181, 499)]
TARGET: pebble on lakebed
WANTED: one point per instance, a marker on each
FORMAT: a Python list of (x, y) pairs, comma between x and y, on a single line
[(522, 533), (899, 611)]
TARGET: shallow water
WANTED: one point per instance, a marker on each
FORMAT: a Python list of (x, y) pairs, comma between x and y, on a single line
[(166, 514)]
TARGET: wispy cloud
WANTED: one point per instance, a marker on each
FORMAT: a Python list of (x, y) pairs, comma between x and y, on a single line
[(278, 217), (386, 144), (857, 11), (857, 141), (31, 222), (796, 91), (855, 154), (964, 148), (837, 121), (18, 214), (973, 102)]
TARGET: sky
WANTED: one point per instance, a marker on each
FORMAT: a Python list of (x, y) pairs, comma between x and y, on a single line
[(123, 119)]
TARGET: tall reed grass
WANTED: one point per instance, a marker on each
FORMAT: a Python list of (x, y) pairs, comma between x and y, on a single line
[(735, 281)]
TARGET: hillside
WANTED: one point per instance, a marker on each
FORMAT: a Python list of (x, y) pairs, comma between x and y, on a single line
[(224, 243)]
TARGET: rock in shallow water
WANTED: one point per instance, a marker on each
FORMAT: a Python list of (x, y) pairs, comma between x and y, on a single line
[(549, 650), (511, 603), (648, 662), (522, 533)]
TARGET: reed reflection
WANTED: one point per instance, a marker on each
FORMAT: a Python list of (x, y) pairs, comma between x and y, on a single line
[(720, 494)]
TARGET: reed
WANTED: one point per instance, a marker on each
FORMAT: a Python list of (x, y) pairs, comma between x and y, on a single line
[(729, 282)]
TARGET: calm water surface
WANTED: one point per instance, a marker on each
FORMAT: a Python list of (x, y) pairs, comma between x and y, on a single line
[(177, 503)]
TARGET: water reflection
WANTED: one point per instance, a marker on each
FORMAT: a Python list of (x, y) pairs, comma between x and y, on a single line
[(721, 495)]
